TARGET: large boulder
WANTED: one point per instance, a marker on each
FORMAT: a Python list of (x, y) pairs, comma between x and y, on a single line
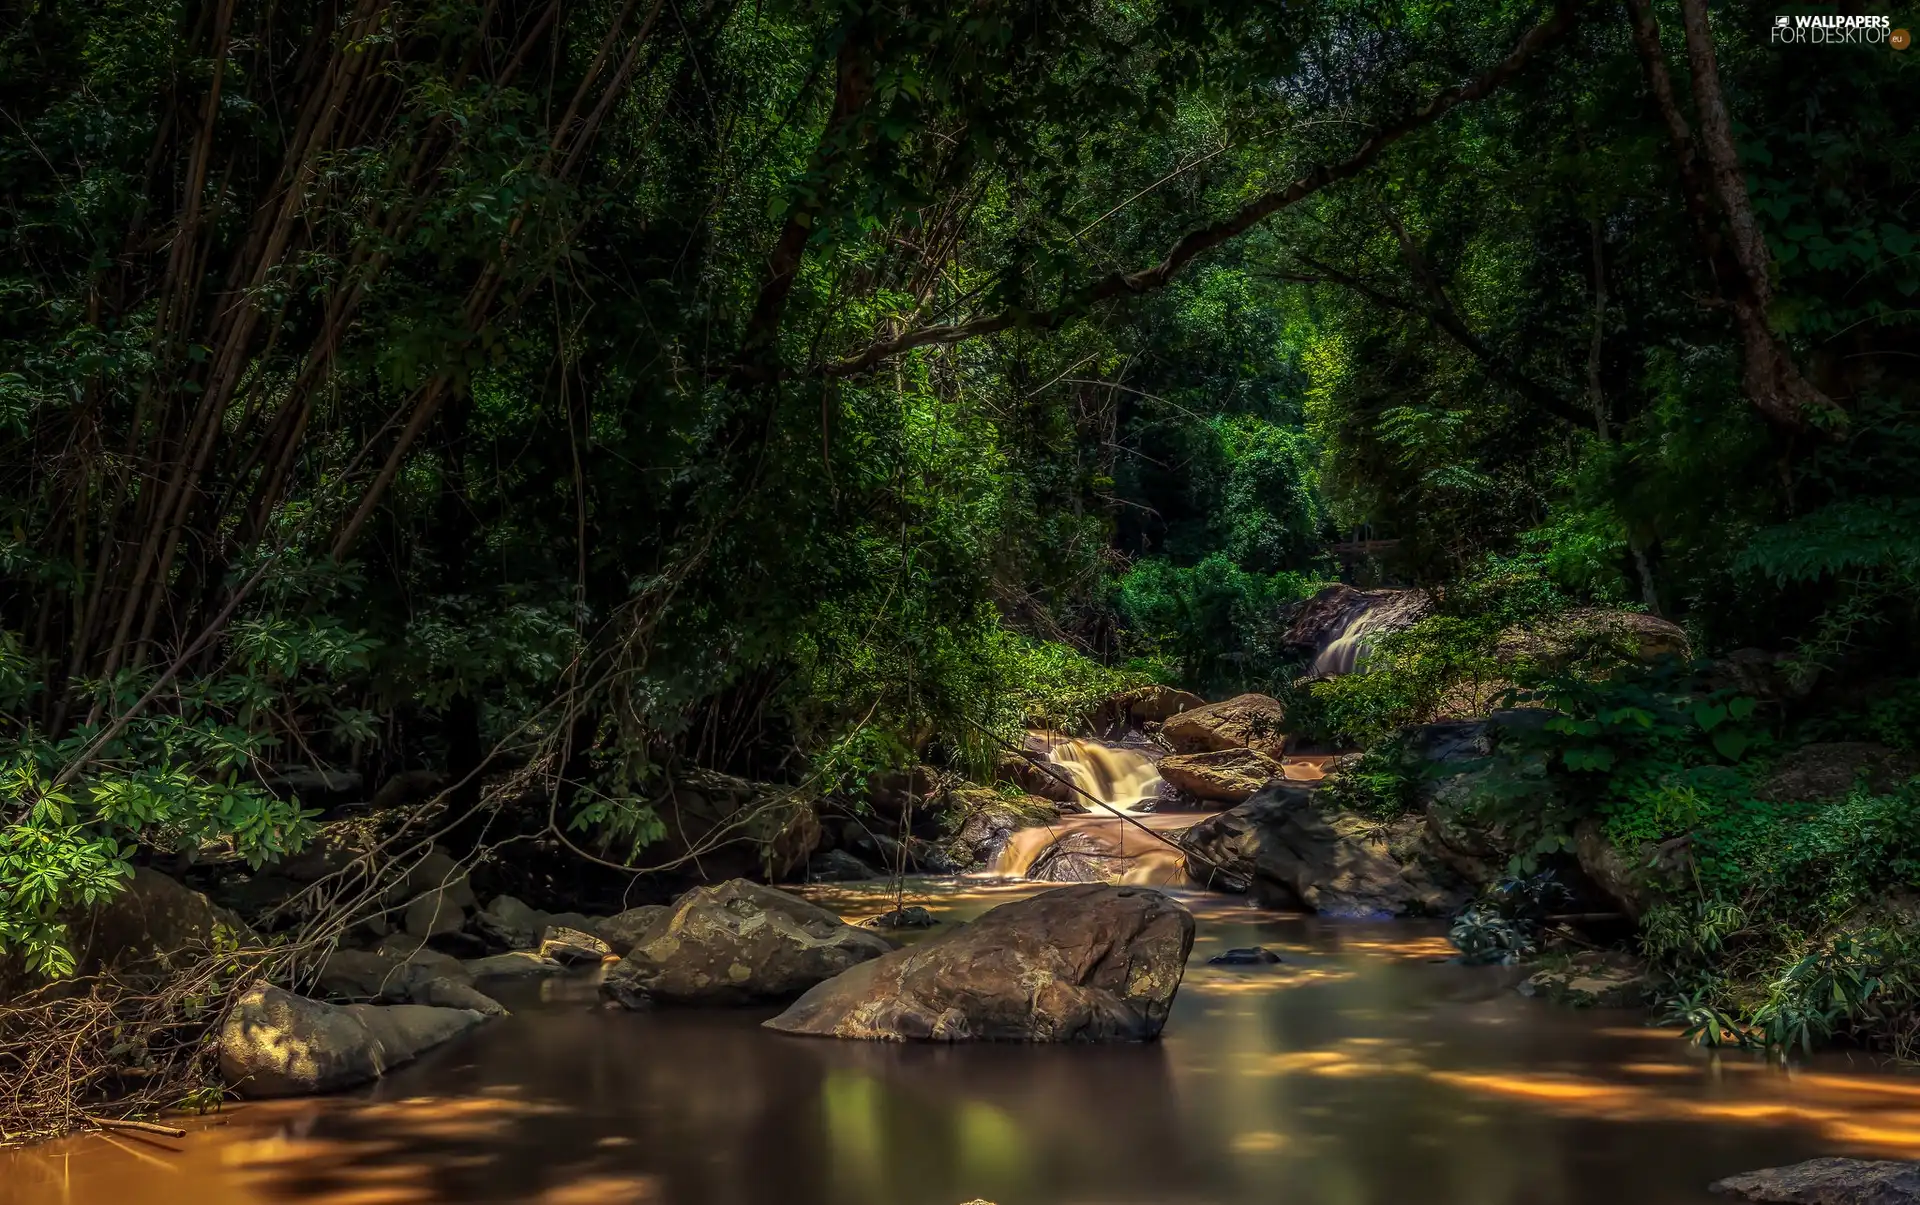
[(1243, 722), (1293, 851), (737, 943), (153, 926), (1222, 775), (1828, 1182), (388, 976), (274, 1043), (1832, 769), (1078, 964), (1557, 640)]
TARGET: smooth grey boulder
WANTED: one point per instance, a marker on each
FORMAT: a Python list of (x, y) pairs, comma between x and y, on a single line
[(274, 1043), (737, 942), (1090, 963), (1828, 1182)]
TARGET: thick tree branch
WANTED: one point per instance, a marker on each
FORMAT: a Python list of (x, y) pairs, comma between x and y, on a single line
[(1769, 377), (1196, 242)]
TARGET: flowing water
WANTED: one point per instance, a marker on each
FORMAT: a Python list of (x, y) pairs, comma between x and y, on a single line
[(1374, 617), (1115, 839), (1365, 1069)]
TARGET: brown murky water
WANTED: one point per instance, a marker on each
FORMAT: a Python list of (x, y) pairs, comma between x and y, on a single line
[(1361, 1071)]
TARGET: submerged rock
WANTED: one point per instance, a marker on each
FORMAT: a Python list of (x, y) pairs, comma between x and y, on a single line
[(913, 916), (1593, 981), (1244, 722), (1079, 964), (275, 1043), (1828, 1182), (1222, 775), (1244, 956), (737, 943), (1327, 861)]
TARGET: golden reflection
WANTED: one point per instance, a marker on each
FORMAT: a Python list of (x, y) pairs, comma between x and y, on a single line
[(1258, 1142), (605, 1190), (1829, 1105)]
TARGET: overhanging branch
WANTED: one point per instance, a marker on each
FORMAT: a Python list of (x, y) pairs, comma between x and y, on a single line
[(1196, 242)]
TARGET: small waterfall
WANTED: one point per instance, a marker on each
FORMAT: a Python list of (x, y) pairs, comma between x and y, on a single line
[(1119, 777), (1097, 846), (1372, 615)]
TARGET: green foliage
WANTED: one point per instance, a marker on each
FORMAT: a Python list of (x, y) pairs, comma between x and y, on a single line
[(1214, 625)]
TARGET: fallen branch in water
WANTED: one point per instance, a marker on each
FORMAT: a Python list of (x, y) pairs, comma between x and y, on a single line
[(138, 1127)]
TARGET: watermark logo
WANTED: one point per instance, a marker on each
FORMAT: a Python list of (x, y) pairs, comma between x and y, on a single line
[(1825, 29)]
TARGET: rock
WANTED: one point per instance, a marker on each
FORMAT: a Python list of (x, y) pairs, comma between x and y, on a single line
[(337, 849), (362, 975), (1829, 1182), (1243, 722), (623, 932), (438, 896), (1622, 879), (274, 1043), (1141, 706), (511, 923), (1597, 980), (1331, 862), (1035, 779), (985, 819), (1169, 798), (1771, 677), (1078, 964), (520, 964), (392, 973), (1223, 775), (1830, 770), (564, 944), (570, 920), (154, 925), (1244, 956), (1557, 640), (913, 916), (736, 943), (839, 866), (1079, 857), (457, 993)]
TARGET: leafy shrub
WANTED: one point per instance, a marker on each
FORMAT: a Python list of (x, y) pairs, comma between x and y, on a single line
[(1407, 677)]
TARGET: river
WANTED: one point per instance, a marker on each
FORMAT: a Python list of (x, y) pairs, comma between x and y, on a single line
[(1365, 1069)]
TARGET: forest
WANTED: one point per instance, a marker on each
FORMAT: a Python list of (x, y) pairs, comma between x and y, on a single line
[(625, 445)]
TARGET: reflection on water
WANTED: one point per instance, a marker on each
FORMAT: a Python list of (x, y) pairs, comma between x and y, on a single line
[(1362, 1070)]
